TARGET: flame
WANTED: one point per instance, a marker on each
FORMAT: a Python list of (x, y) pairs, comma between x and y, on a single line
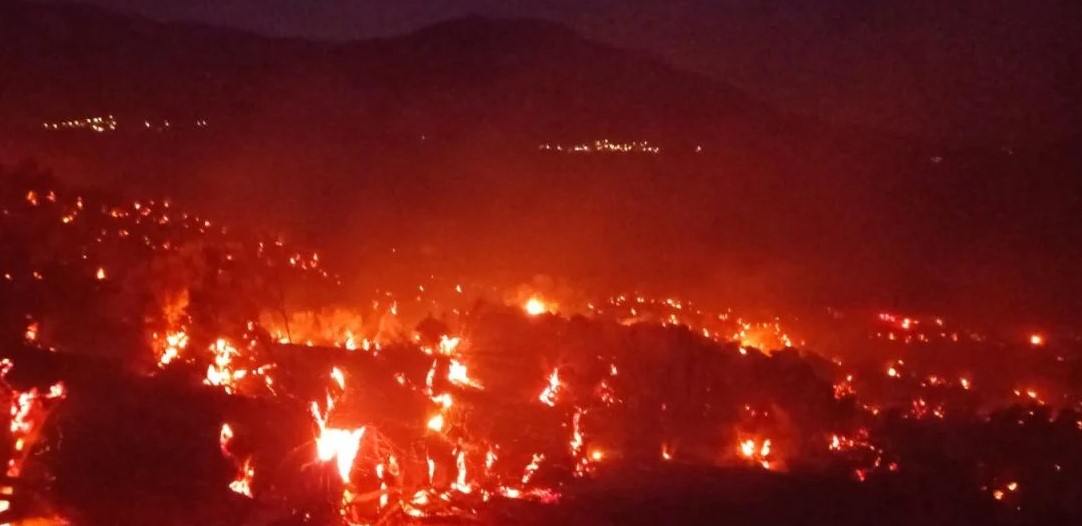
[(532, 467), (31, 334), (535, 307), (338, 377), (448, 345), (458, 374), (221, 373), (548, 396), (243, 482), (758, 452), (175, 342), (436, 423), (100, 274), (460, 480), (224, 438), (340, 445), (28, 411), (490, 460), (1036, 340)]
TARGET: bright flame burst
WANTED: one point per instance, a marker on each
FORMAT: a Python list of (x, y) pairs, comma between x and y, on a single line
[(756, 451), (535, 307), (221, 373)]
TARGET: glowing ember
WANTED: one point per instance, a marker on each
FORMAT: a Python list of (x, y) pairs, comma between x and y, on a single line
[(436, 423), (666, 453), (1036, 340), (224, 438), (31, 334)]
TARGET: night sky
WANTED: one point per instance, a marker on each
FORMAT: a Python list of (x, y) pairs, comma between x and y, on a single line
[(996, 68)]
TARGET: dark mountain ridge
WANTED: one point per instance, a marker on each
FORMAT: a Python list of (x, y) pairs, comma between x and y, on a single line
[(428, 144)]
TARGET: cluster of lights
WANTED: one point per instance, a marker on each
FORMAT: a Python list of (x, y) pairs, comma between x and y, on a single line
[(109, 123), (97, 124), (603, 146)]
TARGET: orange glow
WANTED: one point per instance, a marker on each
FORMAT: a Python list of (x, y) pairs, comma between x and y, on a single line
[(436, 423), (535, 307), (448, 345), (243, 482), (221, 373), (757, 452), (1036, 340), (548, 396), (175, 342), (31, 334), (458, 374), (338, 377), (224, 438), (340, 445), (532, 467)]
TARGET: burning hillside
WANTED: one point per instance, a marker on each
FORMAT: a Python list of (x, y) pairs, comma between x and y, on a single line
[(164, 369)]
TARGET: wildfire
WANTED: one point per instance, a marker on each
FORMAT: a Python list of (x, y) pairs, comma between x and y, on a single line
[(450, 439), (28, 410)]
